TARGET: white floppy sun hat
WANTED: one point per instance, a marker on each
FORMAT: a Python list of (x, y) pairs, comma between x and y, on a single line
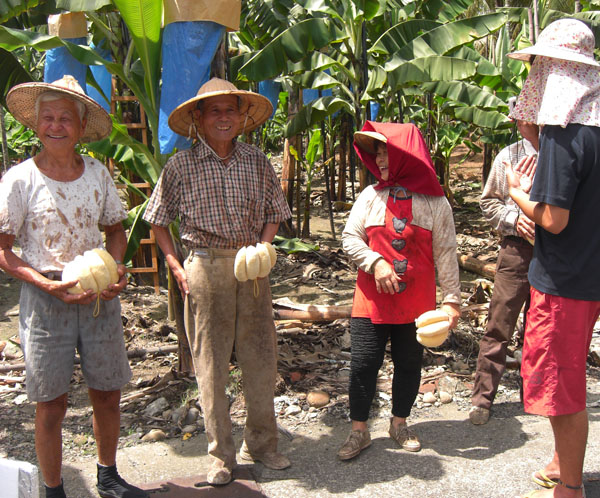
[(566, 39)]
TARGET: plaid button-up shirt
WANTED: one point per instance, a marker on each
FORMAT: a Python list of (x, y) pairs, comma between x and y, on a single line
[(220, 206)]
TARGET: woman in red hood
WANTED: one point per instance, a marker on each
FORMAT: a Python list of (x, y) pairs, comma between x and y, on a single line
[(399, 232)]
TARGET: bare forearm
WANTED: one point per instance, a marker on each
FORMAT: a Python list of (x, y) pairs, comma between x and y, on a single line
[(268, 232), (165, 242), (116, 241), (551, 218)]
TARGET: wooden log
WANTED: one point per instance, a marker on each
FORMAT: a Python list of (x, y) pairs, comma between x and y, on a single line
[(469, 263), (313, 313)]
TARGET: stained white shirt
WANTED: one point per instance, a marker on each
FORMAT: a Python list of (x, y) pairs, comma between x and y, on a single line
[(54, 221)]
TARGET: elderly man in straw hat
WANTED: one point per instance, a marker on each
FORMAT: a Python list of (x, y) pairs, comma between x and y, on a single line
[(52, 204), (562, 94), (227, 196)]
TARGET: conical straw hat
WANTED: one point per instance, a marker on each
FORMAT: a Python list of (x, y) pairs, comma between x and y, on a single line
[(254, 108), (21, 101)]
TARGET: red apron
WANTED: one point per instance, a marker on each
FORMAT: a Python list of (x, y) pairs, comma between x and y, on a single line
[(409, 249)]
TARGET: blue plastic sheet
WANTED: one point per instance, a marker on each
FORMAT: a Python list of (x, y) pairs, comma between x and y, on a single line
[(103, 78), (187, 52), (270, 89), (59, 62)]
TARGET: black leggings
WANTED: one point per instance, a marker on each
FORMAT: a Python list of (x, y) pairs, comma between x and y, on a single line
[(368, 349)]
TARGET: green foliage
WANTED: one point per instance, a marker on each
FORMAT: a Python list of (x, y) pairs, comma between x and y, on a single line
[(20, 139), (294, 245), (272, 131)]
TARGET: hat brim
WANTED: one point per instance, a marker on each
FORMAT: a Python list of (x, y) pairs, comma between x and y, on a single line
[(527, 54), (21, 100), (367, 140), (254, 108)]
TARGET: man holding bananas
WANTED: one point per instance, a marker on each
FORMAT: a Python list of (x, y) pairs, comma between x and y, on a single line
[(228, 199)]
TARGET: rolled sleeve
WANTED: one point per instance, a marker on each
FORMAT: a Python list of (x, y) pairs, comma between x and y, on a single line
[(444, 250)]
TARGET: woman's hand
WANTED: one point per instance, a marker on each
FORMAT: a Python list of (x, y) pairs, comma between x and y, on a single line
[(453, 311), (386, 279)]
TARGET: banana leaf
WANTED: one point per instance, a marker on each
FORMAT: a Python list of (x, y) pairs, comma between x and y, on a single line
[(138, 229), (291, 246), (465, 93), (131, 154), (314, 113), (434, 68), (12, 73), (13, 8), (444, 10), (143, 18), (445, 38), (402, 34), (292, 45), (83, 5), (483, 118)]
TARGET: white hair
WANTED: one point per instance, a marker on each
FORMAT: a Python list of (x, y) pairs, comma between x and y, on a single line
[(51, 96)]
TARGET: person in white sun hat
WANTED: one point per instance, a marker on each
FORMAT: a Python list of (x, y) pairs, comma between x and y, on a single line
[(53, 205), (227, 196), (562, 96)]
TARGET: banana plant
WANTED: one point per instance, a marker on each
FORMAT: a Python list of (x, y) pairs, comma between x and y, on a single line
[(309, 164)]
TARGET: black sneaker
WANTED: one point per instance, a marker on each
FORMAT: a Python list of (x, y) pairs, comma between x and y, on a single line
[(57, 492), (112, 485)]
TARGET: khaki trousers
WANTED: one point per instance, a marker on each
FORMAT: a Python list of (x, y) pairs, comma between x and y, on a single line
[(511, 291), (220, 314)]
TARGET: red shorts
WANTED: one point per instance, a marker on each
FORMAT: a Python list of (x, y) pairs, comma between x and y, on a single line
[(557, 340)]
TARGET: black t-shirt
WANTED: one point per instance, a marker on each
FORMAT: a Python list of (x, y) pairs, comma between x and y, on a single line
[(568, 176)]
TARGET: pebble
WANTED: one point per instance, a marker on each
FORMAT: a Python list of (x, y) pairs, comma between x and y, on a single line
[(189, 429), (445, 397), (156, 407), (318, 399), (192, 416), (178, 414), (293, 410), (154, 435), (429, 397)]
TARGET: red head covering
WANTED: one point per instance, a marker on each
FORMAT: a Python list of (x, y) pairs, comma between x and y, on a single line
[(409, 160)]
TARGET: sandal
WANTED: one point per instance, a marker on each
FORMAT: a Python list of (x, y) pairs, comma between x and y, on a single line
[(543, 480)]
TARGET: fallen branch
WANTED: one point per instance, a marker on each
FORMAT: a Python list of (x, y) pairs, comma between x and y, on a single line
[(469, 263)]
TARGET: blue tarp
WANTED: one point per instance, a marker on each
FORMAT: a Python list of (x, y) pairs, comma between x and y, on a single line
[(60, 62), (103, 78), (188, 49), (270, 89)]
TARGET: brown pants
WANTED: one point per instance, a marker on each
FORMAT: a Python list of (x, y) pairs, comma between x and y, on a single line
[(511, 290), (221, 313)]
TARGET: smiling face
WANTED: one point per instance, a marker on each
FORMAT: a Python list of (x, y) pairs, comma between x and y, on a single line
[(59, 126), (381, 159), (219, 118)]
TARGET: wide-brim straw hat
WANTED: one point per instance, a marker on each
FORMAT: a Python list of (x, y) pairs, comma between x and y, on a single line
[(566, 39), (254, 108), (21, 101), (367, 140)]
